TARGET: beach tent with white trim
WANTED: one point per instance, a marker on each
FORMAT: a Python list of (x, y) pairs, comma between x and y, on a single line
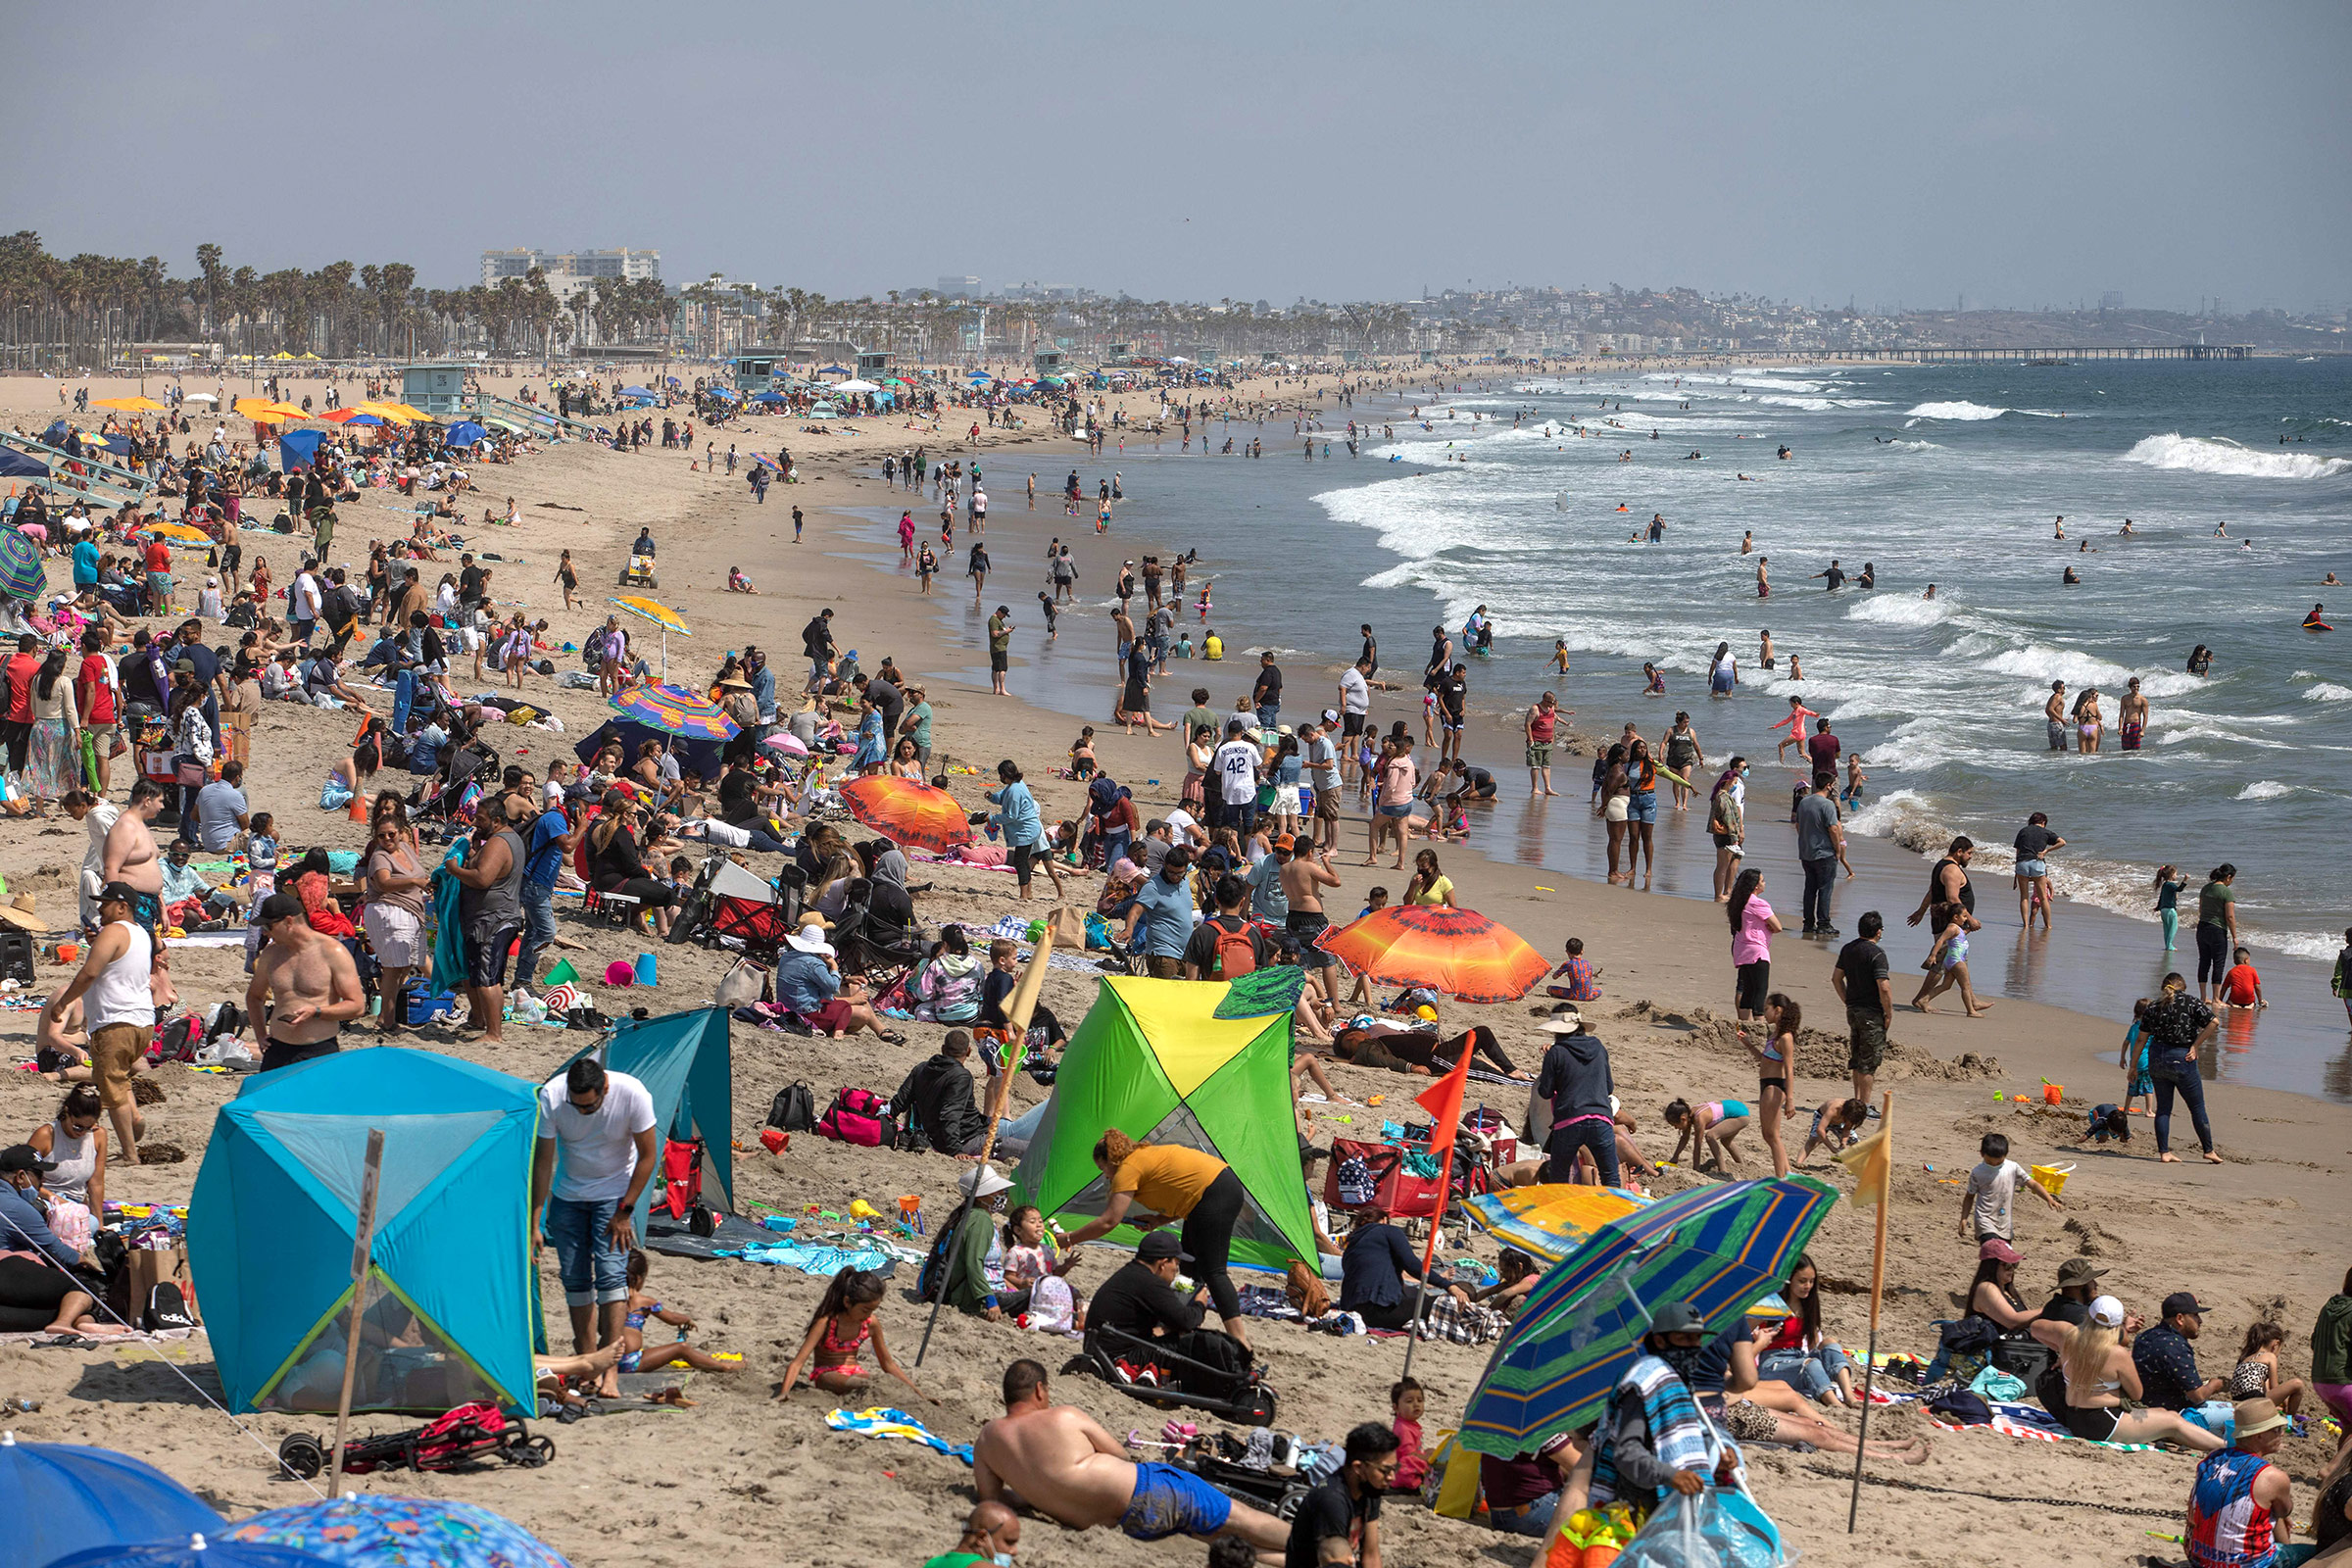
[(1153, 1059), (448, 1308)]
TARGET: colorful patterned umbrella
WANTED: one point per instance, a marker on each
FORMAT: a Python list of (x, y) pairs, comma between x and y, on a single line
[(909, 811), (371, 1530), (674, 710), (1457, 951), (20, 573), (1719, 1248), (198, 1550), (1552, 1219)]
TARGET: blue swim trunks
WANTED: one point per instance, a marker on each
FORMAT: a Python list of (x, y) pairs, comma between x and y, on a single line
[(1169, 1502)]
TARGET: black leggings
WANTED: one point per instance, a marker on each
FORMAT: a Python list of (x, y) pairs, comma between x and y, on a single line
[(649, 892), (2213, 954), (30, 1292), (1208, 1235), (1398, 1316), (1559, 1150), (1484, 1051)]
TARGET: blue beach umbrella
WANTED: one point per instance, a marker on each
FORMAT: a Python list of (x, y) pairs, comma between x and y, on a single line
[(60, 1499), (196, 1551), (1719, 1248), (638, 392), (463, 433)]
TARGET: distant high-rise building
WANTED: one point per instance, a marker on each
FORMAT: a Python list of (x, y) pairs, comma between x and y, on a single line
[(958, 289), (2112, 300), (567, 271)]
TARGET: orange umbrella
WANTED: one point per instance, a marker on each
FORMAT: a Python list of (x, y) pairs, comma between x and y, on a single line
[(909, 811), (1458, 952)]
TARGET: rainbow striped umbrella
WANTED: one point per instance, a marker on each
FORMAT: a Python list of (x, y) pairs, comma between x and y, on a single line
[(674, 710), (1718, 1248)]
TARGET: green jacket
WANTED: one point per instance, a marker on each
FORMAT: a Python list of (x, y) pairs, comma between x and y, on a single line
[(968, 1289), (2331, 1342)]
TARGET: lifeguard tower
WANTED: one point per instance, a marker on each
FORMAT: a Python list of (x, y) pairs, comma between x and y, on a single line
[(760, 370), (435, 389)]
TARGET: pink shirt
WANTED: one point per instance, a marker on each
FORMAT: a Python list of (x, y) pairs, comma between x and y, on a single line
[(1751, 942)]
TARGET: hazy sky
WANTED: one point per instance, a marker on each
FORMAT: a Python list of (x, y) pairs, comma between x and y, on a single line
[(2018, 155)]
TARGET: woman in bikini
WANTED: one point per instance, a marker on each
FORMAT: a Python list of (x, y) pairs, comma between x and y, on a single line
[(1773, 1053), (842, 1321), (2088, 725)]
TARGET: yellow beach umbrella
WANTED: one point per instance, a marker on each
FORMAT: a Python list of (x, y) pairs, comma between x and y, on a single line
[(661, 615), (259, 410), (417, 415), (129, 405), (180, 532), (397, 412)]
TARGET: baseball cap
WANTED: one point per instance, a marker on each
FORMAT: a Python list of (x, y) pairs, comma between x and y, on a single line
[(2107, 1313), (1282, 841), (2252, 1415), (1677, 1317), (2079, 1271), (280, 907), (2182, 1302), (118, 893), (1159, 1247), (2001, 1251), (23, 1156)]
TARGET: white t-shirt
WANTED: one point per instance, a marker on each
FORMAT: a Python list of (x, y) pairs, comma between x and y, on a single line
[(1181, 822), (1236, 767), (1355, 697), (599, 1153), (1993, 1187), (306, 597)]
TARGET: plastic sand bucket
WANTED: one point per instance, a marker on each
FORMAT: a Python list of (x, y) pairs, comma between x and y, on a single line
[(649, 972), (2051, 1179), (621, 972)]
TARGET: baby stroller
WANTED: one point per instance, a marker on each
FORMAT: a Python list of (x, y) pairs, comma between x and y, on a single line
[(1178, 1381), (468, 1435), (728, 903)]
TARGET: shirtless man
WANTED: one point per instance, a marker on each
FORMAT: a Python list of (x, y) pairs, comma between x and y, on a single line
[(131, 857), (2053, 712), (311, 981), (1304, 876), (1058, 1462), (2133, 714)]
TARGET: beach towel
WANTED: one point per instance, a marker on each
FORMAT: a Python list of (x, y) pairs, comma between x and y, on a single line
[(2032, 1421), (884, 1422), (819, 1260)]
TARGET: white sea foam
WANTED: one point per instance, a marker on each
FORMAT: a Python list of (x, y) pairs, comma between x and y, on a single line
[(2201, 453), (1916, 446), (2265, 790), (2327, 692), (1893, 610), (1880, 819), (2042, 664), (1956, 411)]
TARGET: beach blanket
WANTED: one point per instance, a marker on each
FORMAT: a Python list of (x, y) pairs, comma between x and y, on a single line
[(820, 1261), (666, 1235), (883, 1422), (2032, 1422)]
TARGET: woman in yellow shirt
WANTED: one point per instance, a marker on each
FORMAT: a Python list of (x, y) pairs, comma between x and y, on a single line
[(1429, 883), (1184, 1186)]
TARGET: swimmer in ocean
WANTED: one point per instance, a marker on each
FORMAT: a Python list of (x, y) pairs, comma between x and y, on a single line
[(2329, 581), (2221, 530), (1748, 544), (2313, 622), (2061, 526), (1931, 593), (1763, 577), (2069, 578), (2127, 527)]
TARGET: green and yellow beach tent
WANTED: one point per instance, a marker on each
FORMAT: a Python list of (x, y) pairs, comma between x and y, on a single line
[(447, 1311), (1153, 1059)]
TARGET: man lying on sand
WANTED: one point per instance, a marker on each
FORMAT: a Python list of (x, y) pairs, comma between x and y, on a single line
[(1059, 1461)]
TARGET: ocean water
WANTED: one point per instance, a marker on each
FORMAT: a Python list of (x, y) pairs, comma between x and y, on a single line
[(1948, 476)]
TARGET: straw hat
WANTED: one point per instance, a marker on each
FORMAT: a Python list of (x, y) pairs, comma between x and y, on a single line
[(18, 912)]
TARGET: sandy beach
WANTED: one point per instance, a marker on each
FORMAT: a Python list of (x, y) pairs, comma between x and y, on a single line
[(739, 1478)]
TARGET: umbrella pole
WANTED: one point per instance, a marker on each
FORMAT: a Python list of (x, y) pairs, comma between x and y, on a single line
[(1018, 1009), (1878, 1286), (362, 1246), (1413, 1330)]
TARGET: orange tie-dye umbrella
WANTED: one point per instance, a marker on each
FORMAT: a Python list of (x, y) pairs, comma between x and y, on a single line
[(909, 811), (1458, 952)]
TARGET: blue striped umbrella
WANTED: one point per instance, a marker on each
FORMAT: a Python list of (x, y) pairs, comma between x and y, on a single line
[(1720, 1248), (20, 573)]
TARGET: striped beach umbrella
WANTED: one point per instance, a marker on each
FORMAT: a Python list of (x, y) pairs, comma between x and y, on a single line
[(674, 710), (908, 811), (1720, 1248), (20, 573), (1552, 1219), (1458, 952)]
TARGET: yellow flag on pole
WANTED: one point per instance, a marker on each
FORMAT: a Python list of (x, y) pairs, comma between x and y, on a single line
[(1872, 1162)]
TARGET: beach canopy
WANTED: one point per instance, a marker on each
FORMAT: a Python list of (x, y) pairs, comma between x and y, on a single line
[(639, 392), (14, 464), (909, 811), (686, 1061), (1720, 1248), (129, 404), (375, 1529), (1458, 952), (856, 386), (299, 448), (770, 397), (61, 1498), (447, 1302), (1155, 1059), (463, 433)]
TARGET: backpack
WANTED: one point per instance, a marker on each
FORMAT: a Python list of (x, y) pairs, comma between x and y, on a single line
[(860, 1117), (794, 1109), (166, 1308), (1233, 952)]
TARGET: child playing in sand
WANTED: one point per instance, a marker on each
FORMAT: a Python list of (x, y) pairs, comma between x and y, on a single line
[(1707, 1131), (2258, 1376), (638, 1356), (1837, 1125), (1583, 976), (842, 1321), (1081, 754)]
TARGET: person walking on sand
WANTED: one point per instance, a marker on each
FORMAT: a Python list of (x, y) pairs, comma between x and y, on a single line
[(2178, 1028), (1947, 962), (2034, 841), (1000, 647)]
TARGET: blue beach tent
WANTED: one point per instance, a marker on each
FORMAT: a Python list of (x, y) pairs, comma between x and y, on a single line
[(686, 1062), (298, 449), (448, 1311)]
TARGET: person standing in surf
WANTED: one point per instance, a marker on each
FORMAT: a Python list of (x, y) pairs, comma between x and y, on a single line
[(2132, 714)]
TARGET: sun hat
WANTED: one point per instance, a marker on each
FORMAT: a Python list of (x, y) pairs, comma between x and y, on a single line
[(982, 1181), (1563, 1022), (2255, 1415), (810, 938), (2107, 1313)]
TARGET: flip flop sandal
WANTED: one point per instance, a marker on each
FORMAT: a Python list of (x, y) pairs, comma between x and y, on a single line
[(67, 1342)]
